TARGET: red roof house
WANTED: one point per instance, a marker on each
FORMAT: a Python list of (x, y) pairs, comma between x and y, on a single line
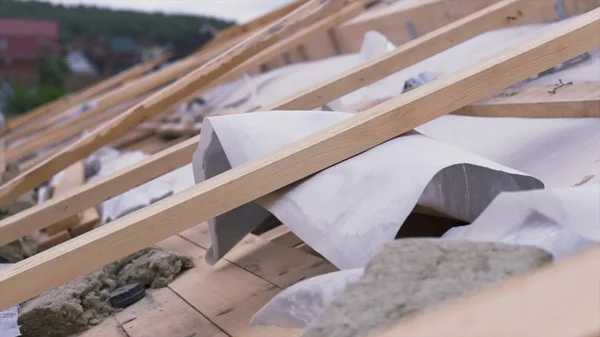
[(22, 41)]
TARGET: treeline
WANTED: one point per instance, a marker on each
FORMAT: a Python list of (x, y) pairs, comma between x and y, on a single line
[(77, 21)]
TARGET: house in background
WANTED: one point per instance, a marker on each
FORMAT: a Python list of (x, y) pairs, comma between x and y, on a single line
[(22, 42), (79, 64)]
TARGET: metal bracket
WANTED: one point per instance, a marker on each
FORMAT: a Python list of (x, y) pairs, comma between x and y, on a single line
[(561, 9), (411, 30)]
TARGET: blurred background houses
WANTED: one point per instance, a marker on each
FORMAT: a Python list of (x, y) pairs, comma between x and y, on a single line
[(48, 50)]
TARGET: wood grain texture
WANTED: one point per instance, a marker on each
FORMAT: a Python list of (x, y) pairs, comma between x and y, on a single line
[(306, 15), (470, 26), (580, 100), (293, 41), (424, 16), (163, 313), (67, 129), (31, 121), (280, 265), (363, 75), (561, 300), (412, 52), (95, 192), (254, 25), (224, 293), (72, 177), (298, 160)]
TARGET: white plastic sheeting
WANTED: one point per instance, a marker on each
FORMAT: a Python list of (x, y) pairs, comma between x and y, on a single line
[(298, 305), (348, 211), (9, 326), (562, 221), (145, 194), (454, 164)]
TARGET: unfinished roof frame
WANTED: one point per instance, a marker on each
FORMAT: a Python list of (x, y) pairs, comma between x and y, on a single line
[(252, 180), (200, 78), (577, 100)]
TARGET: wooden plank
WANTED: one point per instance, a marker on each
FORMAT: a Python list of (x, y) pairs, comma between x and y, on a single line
[(283, 236), (95, 192), (108, 328), (490, 18), (2, 159), (163, 313), (46, 241), (362, 75), (254, 25), (67, 129), (65, 105), (225, 293), (72, 177), (556, 301), (398, 21), (293, 162), (580, 100), (294, 40), (280, 265), (195, 81), (89, 219)]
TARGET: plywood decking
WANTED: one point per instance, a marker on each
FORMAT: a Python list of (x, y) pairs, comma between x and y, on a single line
[(216, 301)]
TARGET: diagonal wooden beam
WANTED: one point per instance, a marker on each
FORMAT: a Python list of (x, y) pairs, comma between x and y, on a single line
[(60, 107), (202, 77), (32, 219), (258, 23), (560, 300), (296, 161), (68, 129), (54, 135), (501, 14), (581, 100)]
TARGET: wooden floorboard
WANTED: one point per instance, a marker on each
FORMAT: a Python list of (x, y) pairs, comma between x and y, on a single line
[(215, 301)]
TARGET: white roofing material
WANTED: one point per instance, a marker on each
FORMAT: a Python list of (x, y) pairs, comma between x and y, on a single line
[(457, 165)]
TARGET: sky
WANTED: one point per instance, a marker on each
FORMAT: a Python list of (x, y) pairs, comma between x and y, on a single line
[(239, 10)]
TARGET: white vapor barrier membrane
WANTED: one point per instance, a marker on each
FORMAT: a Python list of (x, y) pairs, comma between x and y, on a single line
[(298, 305), (9, 326), (562, 221), (145, 194), (348, 211)]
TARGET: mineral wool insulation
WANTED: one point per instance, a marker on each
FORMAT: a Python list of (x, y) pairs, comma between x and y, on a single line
[(455, 165)]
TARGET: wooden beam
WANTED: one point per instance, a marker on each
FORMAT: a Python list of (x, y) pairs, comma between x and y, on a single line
[(200, 78), (490, 18), (254, 25), (289, 43), (68, 129), (121, 94), (21, 224), (580, 100), (293, 41), (296, 161), (402, 21), (556, 301), (63, 106), (72, 177), (95, 192)]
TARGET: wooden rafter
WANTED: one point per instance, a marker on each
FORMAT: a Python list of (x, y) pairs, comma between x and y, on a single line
[(28, 123), (291, 163), (202, 77), (32, 219)]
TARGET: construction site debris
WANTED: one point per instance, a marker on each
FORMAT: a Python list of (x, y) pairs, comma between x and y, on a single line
[(26, 246), (9, 326), (411, 275), (85, 302)]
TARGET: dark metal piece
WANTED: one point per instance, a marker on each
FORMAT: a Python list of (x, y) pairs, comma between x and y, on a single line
[(127, 295)]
